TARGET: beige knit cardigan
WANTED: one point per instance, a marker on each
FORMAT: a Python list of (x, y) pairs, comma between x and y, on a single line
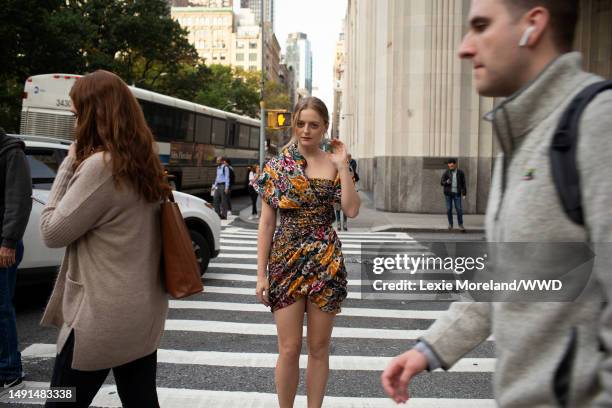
[(109, 289)]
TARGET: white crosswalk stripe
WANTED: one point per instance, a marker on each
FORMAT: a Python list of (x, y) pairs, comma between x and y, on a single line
[(189, 398), (268, 360), (228, 310)]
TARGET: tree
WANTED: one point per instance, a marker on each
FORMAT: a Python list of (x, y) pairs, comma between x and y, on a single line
[(36, 39), (229, 89), (276, 96), (136, 39)]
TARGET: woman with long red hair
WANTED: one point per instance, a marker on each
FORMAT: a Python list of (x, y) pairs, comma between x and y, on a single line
[(108, 300)]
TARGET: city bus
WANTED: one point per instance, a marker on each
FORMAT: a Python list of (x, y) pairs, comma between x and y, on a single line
[(189, 136)]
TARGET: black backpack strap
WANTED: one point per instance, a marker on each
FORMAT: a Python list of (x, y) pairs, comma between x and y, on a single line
[(563, 151)]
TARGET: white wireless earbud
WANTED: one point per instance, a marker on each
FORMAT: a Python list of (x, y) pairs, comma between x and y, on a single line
[(525, 37)]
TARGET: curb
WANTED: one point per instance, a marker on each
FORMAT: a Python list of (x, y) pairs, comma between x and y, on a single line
[(407, 228)]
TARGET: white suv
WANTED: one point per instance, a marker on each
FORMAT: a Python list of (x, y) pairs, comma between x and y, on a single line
[(40, 263)]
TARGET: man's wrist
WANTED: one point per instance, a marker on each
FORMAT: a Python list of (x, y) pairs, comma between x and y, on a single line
[(432, 360)]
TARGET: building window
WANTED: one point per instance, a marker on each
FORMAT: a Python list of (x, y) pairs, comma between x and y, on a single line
[(252, 57), (240, 44), (222, 58), (240, 57), (253, 45)]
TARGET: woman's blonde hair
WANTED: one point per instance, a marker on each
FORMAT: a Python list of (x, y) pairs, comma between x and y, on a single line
[(311, 102)]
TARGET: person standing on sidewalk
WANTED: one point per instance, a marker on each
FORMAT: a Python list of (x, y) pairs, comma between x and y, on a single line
[(253, 174), (104, 207), (15, 206), (300, 266), (548, 354), (453, 181), (220, 188), (232, 182)]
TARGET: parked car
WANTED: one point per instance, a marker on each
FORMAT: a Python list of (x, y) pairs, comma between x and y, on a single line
[(40, 263)]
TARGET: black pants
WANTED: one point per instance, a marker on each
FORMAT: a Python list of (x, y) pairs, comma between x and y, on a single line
[(254, 196), (135, 380)]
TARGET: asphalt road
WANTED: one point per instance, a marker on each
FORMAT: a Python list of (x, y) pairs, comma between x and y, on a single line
[(219, 347)]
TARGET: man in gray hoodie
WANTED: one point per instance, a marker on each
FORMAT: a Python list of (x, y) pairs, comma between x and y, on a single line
[(549, 354), (15, 206)]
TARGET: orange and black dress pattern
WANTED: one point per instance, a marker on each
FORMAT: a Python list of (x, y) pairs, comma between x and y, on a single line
[(306, 258)]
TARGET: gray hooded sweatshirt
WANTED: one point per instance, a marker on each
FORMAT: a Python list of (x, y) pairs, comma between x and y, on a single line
[(15, 191), (549, 354)]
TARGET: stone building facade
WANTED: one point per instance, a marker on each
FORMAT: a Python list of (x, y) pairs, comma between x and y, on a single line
[(408, 102)]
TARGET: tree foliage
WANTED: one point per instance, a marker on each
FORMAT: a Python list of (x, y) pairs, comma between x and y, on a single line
[(136, 39)]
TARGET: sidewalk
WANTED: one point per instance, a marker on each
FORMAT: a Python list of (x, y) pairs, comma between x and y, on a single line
[(374, 220)]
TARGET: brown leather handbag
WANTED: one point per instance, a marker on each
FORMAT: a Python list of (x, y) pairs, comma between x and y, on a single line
[(181, 271)]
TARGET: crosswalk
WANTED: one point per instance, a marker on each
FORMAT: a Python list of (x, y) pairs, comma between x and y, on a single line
[(219, 348)]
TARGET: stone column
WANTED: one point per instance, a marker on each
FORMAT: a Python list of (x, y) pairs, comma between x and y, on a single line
[(413, 103)]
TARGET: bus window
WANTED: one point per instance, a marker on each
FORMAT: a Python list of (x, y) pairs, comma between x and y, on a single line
[(148, 109), (244, 136), (218, 132), (254, 143), (184, 125), (203, 124), (232, 140), (161, 122)]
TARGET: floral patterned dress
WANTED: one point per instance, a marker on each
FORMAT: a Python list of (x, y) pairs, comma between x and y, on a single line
[(306, 258)]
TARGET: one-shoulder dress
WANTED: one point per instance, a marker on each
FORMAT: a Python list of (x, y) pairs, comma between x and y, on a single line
[(306, 258)]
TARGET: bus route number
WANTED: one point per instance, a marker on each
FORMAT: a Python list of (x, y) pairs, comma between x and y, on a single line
[(65, 103)]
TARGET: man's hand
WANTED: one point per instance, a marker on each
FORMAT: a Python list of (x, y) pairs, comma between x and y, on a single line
[(399, 372), (226, 190), (7, 257)]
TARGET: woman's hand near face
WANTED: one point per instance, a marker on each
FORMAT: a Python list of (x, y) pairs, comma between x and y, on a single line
[(339, 157)]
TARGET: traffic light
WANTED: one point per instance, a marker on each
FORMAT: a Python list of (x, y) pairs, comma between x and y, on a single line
[(278, 119)]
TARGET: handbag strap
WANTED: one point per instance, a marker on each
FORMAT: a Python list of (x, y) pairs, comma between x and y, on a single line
[(169, 197)]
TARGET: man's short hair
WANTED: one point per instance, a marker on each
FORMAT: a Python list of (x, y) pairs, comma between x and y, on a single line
[(563, 18), (453, 161)]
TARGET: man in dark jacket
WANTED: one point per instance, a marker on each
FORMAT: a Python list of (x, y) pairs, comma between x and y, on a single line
[(453, 181), (15, 206)]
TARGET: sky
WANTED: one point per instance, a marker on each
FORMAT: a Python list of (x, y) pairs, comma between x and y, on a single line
[(321, 20)]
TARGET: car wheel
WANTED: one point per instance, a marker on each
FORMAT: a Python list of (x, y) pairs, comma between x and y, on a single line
[(201, 249)]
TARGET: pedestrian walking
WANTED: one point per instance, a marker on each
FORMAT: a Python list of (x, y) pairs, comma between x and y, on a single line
[(15, 206), (453, 181), (104, 207), (300, 267), (220, 188), (341, 218), (549, 354), (232, 182), (253, 174)]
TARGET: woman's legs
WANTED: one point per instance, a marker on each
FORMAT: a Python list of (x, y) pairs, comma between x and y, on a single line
[(136, 382), (253, 200), (289, 322), (87, 383), (320, 325)]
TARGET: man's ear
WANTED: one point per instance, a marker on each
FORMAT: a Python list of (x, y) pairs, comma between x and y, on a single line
[(537, 23)]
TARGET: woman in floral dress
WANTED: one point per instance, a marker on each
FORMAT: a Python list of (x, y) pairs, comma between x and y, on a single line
[(300, 267)]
